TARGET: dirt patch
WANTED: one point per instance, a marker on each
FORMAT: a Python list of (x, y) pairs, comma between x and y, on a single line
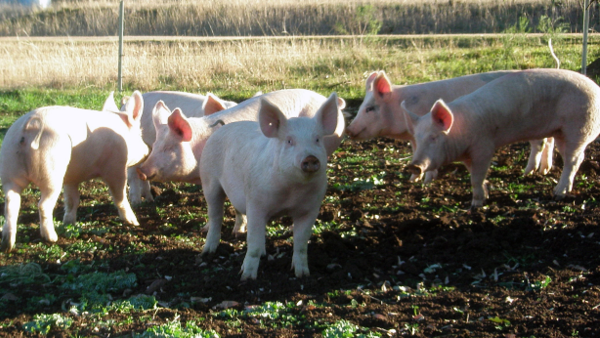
[(394, 257)]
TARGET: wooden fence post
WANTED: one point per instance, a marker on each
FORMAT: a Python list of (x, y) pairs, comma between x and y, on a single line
[(586, 23), (121, 14)]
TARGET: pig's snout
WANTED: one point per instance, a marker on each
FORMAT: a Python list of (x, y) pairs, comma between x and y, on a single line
[(310, 164), (414, 169), (141, 174)]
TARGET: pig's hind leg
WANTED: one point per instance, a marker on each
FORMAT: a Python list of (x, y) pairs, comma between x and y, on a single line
[(12, 205), (215, 200), (240, 223), (572, 154)]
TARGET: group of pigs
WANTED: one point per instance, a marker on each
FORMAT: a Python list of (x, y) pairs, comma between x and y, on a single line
[(268, 154)]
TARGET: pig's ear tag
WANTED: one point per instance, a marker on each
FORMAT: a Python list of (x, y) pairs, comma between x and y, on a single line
[(442, 116)]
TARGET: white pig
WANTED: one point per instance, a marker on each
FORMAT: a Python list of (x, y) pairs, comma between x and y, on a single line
[(194, 105), (179, 142), (380, 114), (176, 153), (530, 104), (55, 146), (268, 168)]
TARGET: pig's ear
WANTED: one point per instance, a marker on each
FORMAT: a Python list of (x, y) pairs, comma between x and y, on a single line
[(341, 103), (135, 106), (258, 93), (370, 80), (212, 105), (328, 114), (382, 85), (272, 121), (180, 125), (410, 118), (109, 104), (160, 114), (442, 116)]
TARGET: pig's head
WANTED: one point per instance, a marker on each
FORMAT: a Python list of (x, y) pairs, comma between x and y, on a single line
[(177, 149), (299, 141), (374, 118), (430, 132), (137, 150)]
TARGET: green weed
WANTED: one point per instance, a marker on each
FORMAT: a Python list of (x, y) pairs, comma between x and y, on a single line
[(42, 323), (346, 329), (174, 329)]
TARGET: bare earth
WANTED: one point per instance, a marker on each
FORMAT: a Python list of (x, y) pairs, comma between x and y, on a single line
[(400, 259)]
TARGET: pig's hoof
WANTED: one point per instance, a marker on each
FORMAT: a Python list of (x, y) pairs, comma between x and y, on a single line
[(6, 246)]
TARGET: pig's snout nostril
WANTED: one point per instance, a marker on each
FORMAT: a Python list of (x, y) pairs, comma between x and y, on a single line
[(413, 169), (141, 175), (310, 164)]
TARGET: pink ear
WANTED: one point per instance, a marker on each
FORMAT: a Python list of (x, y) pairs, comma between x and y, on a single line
[(271, 120), (212, 105), (442, 116), (382, 84), (135, 105), (370, 80), (180, 125)]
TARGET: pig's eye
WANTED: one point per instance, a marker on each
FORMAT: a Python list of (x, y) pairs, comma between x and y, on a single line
[(317, 140), (369, 109), (290, 141)]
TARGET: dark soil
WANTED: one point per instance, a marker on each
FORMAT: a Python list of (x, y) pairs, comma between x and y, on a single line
[(402, 259)]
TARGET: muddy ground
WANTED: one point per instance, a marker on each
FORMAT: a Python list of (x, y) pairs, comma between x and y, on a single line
[(393, 257)]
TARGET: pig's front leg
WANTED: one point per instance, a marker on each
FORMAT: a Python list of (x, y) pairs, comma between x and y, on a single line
[(71, 197), (255, 238), (117, 184), (546, 160), (12, 206), (478, 168), (138, 188), (302, 232), (536, 152)]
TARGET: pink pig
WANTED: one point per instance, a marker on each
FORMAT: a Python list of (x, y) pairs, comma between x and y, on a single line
[(176, 153), (380, 114), (530, 104), (268, 168), (180, 140), (53, 147), (194, 105)]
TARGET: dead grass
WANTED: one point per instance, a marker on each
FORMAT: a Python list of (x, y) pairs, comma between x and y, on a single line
[(288, 17), (247, 65)]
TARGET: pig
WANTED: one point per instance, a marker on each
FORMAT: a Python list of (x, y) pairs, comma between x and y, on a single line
[(530, 104), (57, 146), (194, 105), (176, 153), (180, 140), (268, 168), (380, 114)]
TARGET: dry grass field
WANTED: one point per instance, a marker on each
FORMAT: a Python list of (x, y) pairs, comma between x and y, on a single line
[(287, 17)]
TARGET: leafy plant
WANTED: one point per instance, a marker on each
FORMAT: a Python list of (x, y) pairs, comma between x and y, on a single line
[(346, 329), (42, 323), (174, 329)]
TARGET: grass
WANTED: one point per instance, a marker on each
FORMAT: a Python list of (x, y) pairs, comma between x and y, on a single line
[(284, 17)]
